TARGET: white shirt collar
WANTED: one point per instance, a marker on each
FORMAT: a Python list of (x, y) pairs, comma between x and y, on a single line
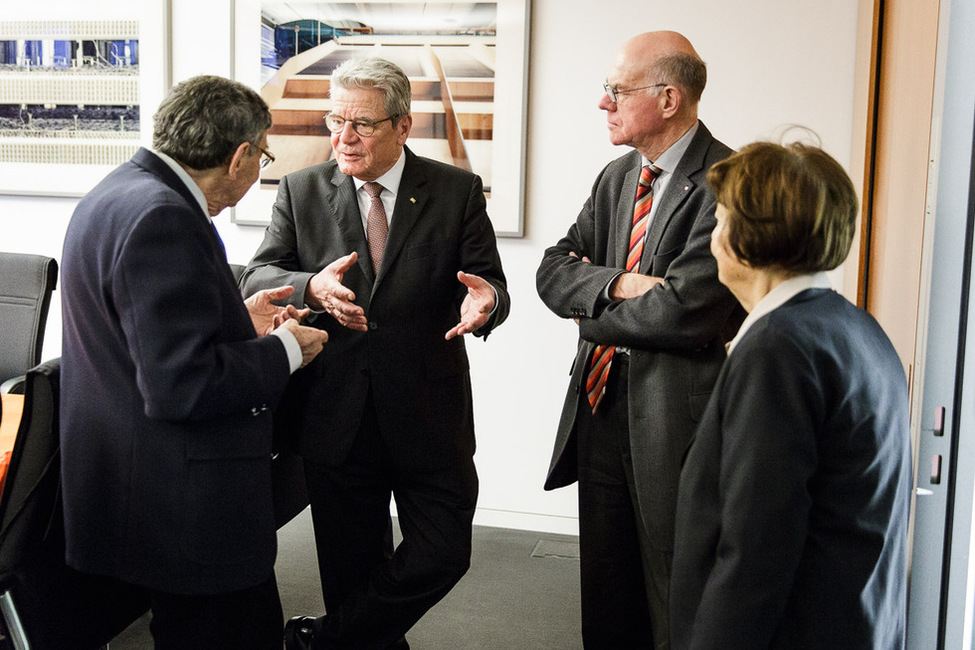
[(669, 159), (390, 180), (187, 181), (777, 297)]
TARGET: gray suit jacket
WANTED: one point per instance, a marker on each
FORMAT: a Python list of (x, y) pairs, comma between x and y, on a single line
[(675, 332), (420, 383)]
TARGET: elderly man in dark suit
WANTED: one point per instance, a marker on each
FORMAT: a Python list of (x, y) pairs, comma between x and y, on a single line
[(167, 385), (397, 257), (636, 274)]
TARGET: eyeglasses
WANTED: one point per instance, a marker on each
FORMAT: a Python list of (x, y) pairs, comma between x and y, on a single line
[(614, 92), (268, 157), (362, 127)]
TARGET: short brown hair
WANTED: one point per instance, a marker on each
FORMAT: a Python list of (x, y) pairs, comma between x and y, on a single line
[(790, 207)]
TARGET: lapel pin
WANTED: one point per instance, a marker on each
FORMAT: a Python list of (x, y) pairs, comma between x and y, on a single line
[(687, 187), (412, 200)]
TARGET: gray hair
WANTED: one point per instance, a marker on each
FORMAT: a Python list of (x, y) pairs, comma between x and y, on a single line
[(380, 74), (685, 71), (204, 119)]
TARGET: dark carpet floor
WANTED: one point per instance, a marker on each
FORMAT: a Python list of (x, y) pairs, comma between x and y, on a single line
[(521, 593)]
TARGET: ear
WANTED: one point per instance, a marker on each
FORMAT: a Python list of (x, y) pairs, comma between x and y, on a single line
[(670, 101), (403, 128), (237, 160)]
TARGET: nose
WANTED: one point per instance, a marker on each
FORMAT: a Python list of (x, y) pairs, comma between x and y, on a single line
[(605, 104), (348, 134)]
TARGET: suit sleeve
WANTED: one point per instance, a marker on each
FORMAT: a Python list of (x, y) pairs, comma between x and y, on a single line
[(276, 261), (479, 255), (770, 411), (684, 313), (176, 322), (568, 286)]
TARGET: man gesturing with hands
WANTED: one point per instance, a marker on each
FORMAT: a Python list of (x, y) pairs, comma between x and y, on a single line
[(397, 259)]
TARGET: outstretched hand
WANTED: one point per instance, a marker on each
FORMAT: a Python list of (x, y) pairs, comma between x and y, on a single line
[(326, 292), (265, 315), (477, 306)]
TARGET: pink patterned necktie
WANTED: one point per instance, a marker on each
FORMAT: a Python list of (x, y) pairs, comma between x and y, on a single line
[(602, 356), (376, 226)]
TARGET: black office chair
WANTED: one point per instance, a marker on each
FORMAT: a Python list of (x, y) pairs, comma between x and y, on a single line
[(44, 604), (26, 283)]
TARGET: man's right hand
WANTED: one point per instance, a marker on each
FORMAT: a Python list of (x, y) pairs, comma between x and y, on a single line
[(632, 285), (327, 293), (310, 339)]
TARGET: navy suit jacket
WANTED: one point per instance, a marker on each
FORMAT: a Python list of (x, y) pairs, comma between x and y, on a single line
[(794, 498), (420, 383), (166, 394)]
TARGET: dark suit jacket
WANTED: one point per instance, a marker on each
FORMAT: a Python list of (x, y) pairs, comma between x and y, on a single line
[(794, 498), (166, 389), (420, 383), (675, 331)]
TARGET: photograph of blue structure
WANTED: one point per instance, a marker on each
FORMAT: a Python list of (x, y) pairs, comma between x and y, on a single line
[(69, 91)]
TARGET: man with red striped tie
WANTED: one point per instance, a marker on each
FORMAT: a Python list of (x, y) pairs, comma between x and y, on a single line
[(636, 273)]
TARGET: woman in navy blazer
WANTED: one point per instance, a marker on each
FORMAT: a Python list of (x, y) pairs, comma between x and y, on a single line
[(793, 500)]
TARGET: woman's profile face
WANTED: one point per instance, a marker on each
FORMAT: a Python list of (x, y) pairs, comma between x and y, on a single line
[(730, 269)]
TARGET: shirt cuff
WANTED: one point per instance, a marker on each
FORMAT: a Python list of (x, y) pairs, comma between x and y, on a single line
[(290, 346)]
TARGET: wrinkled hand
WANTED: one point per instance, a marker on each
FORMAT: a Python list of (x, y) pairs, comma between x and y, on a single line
[(265, 315), (477, 306), (632, 285), (310, 339), (327, 293)]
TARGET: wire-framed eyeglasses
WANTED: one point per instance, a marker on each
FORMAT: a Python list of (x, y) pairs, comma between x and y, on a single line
[(614, 92), (266, 156), (362, 127)]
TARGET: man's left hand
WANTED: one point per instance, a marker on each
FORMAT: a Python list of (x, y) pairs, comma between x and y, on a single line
[(265, 315), (477, 306)]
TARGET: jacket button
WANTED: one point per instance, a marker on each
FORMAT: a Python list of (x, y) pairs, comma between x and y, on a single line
[(373, 325)]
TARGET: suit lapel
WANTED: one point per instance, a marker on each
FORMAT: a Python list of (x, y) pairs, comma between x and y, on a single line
[(345, 211), (410, 200), (678, 189)]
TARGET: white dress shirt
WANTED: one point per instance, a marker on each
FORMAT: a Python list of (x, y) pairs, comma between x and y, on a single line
[(777, 297)]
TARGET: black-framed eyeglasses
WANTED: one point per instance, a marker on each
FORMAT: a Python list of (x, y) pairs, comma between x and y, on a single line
[(266, 156), (362, 127), (615, 92)]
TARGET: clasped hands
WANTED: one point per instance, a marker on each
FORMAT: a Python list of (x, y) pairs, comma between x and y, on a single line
[(267, 317), (327, 293)]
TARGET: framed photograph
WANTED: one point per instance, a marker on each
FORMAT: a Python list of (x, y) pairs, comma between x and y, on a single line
[(79, 82), (467, 63)]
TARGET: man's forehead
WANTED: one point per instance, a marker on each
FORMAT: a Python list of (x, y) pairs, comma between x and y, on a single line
[(358, 98)]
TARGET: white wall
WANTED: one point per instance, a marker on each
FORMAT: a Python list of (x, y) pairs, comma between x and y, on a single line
[(770, 63)]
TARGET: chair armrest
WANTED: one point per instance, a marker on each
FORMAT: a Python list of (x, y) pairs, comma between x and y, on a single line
[(14, 385)]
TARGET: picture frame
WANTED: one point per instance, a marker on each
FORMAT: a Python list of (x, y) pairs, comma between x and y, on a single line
[(79, 82), (468, 66)]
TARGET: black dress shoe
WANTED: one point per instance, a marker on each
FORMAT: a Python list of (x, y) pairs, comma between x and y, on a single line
[(299, 633)]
